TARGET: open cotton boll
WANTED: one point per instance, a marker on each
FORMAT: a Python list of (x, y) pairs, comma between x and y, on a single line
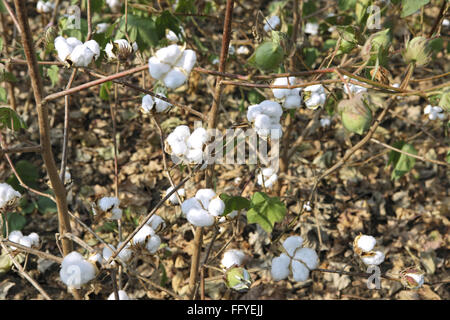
[(73, 42), (114, 5), (34, 237), (173, 198), (271, 108), (26, 241), (243, 50), (71, 258), (15, 236), (116, 214), (253, 111), (216, 207), (122, 295), (325, 122), (270, 177), (94, 47), (153, 243), (365, 243), (77, 273), (171, 36), (280, 267), (200, 217), (187, 60), (262, 121), (62, 47), (106, 203), (161, 105), (312, 28), (147, 103), (292, 102), (141, 236), (7, 195), (44, 6), (271, 23), (155, 221), (198, 138), (157, 69), (174, 79), (316, 100), (108, 252), (282, 93), (232, 258), (101, 27), (194, 156), (178, 147), (125, 254), (300, 272), (169, 54), (205, 196), (189, 204), (182, 132), (308, 256), (291, 244), (81, 56), (375, 259)]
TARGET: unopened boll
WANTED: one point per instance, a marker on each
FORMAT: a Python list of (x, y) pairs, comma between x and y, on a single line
[(8, 195), (120, 49), (232, 258), (122, 295), (173, 198)]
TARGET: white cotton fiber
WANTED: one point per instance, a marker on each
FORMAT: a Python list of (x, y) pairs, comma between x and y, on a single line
[(291, 244), (280, 267), (174, 78), (216, 207), (299, 271), (232, 258), (204, 196), (200, 217), (308, 256)]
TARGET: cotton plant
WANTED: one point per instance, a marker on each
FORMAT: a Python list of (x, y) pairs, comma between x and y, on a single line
[(292, 97), (172, 65), (267, 177), (122, 295), (173, 199), (76, 270), (185, 146), (149, 102), (272, 23), (147, 238), (110, 206), (434, 112), (314, 96), (203, 209), (266, 118), (8, 196), (29, 241), (75, 53), (120, 49), (363, 246), (45, 6), (296, 260)]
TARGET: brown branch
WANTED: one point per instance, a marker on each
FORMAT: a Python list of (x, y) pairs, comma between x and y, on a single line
[(36, 149)]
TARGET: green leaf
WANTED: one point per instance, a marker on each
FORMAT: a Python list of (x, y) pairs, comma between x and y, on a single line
[(10, 119), (29, 174), (7, 76), (166, 21), (96, 5), (411, 6), (265, 211), (104, 90), (401, 163), (3, 95), (186, 6), (2, 7), (16, 221), (346, 4), (5, 261), (311, 55), (254, 97), (1, 44), (267, 56), (46, 205), (140, 29), (234, 203), (53, 74)]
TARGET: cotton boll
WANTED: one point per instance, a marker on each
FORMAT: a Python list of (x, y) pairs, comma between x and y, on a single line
[(81, 56), (271, 181), (109, 51), (114, 5), (276, 131), (271, 108), (262, 121), (73, 42), (153, 244), (147, 103), (162, 105), (291, 244), (78, 273), (216, 207), (173, 198), (116, 214), (205, 196), (134, 46), (94, 47), (365, 243), (169, 54), (242, 50), (34, 237), (126, 254), (108, 252), (308, 256), (271, 23), (122, 295), (174, 79), (325, 122), (44, 6), (71, 258), (292, 102), (232, 258), (374, 259), (280, 267), (171, 36), (141, 236), (26, 241), (187, 60), (312, 28), (156, 221), (107, 203), (189, 204), (7, 195), (182, 132), (300, 272), (315, 101), (62, 48), (198, 138), (282, 93), (179, 148), (253, 111), (200, 218), (194, 155), (102, 27)]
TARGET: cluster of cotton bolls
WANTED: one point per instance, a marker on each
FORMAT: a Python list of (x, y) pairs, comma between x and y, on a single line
[(267, 177), (434, 112), (146, 237), (363, 247), (314, 96), (266, 118), (172, 65), (8, 196), (353, 88), (296, 259), (173, 199), (77, 271), (292, 97), (110, 205), (120, 49), (202, 210), (44, 6), (31, 240), (148, 102), (186, 147), (271, 23), (74, 52)]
